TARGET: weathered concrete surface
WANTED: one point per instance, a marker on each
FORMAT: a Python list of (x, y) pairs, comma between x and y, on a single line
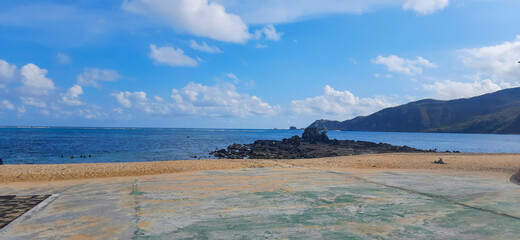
[(275, 203)]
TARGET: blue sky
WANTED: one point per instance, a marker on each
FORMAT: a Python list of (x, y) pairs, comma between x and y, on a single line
[(246, 64)]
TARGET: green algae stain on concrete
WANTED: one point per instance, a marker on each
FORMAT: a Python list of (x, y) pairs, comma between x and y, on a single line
[(289, 204), (135, 191), (328, 208)]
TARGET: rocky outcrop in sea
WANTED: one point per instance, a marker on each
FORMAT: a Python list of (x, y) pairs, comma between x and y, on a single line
[(312, 144)]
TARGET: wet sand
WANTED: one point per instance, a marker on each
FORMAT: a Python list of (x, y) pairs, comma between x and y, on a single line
[(503, 164)]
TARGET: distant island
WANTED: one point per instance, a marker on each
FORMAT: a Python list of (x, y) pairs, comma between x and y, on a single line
[(497, 112)]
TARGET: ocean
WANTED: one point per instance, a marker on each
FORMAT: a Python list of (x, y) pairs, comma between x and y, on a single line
[(46, 145)]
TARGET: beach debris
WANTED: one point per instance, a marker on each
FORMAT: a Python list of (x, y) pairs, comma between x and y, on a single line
[(440, 161)]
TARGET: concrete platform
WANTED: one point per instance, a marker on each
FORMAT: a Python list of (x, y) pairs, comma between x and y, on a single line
[(274, 203)]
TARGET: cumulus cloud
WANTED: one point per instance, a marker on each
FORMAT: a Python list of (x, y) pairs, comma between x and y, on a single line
[(71, 97), (39, 92), (63, 58), (425, 6), (171, 56), (219, 100), (204, 47), (498, 61), (7, 71), (34, 80), (197, 99), (404, 66), (5, 104), (129, 99), (269, 32), (340, 104), (92, 76), (448, 89), (198, 17)]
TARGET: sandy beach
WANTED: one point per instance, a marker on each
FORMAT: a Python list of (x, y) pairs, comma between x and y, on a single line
[(503, 164)]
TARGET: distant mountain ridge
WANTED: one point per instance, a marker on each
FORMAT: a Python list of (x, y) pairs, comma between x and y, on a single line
[(497, 112)]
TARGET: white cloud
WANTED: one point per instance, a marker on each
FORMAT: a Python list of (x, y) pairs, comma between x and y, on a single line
[(127, 99), (499, 61), (219, 100), (198, 17), (21, 110), (72, 95), (4, 104), (7, 71), (32, 101), (258, 45), (158, 99), (448, 89), (425, 6), (171, 56), (404, 66), (138, 101), (63, 58), (338, 104), (204, 47), (197, 99), (278, 11), (92, 76), (34, 80), (39, 91), (233, 77), (269, 32)]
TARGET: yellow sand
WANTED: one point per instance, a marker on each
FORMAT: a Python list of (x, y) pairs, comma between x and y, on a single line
[(490, 163)]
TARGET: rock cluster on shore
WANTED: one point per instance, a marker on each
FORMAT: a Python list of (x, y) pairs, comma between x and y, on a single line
[(312, 144)]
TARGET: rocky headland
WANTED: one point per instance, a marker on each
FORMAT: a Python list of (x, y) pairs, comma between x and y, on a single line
[(312, 144)]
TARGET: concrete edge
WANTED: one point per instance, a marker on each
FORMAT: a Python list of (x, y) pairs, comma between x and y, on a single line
[(29, 213)]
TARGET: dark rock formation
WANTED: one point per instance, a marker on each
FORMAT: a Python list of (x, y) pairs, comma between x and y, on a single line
[(312, 144), (293, 128), (313, 135), (439, 161)]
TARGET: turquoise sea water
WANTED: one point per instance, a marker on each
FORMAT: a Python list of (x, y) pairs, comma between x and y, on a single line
[(46, 145)]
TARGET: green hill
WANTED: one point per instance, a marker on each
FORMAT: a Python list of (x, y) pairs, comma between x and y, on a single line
[(497, 112)]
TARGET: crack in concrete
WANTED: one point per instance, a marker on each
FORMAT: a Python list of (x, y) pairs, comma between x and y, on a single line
[(433, 196), (139, 232)]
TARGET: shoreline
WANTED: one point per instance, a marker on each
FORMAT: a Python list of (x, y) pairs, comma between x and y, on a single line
[(495, 163)]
